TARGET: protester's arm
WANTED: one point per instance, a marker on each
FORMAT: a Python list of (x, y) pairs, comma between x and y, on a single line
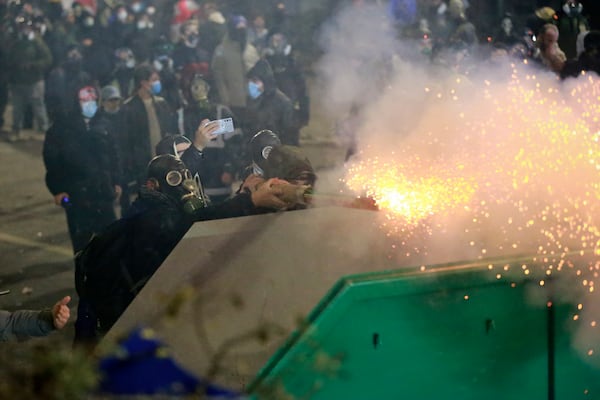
[(246, 202), (34, 323)]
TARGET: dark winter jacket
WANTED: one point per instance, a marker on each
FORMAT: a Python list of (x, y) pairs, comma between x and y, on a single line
[(220, 155), (116, 264), (290, 80), (28, 61), (81, 161), (24, 323), (137, 133), (272, 110)]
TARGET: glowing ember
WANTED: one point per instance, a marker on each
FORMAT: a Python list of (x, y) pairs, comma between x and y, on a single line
[(411, 200)]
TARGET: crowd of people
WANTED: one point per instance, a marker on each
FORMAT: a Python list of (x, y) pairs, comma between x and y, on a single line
[(127, 98), (122, 93), (558, 39)]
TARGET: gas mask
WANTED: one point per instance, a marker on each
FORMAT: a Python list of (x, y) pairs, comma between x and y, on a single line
[(199, 90), (187, 188), (171, 177)]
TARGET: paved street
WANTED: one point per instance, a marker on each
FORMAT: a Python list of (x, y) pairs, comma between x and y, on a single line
[(35, 253)]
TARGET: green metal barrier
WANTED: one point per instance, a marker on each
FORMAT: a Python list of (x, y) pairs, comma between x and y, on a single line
[(458, 331)]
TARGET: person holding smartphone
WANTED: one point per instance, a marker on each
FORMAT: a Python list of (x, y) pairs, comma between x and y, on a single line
[(220, 153)]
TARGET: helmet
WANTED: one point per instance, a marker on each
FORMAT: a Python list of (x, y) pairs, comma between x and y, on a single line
[(168, 144), (261, 145)]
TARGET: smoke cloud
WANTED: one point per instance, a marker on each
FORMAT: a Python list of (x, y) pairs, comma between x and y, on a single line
[(472, 159)]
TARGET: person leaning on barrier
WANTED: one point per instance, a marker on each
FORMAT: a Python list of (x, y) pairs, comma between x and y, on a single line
[(118, 262)]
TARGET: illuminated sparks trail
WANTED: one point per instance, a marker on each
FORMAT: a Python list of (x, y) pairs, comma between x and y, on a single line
[(412, 198), (509, 166), (521, 151)]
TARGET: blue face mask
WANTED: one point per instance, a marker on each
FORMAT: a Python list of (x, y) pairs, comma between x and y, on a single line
[(254, 90), (89, 108), (156, 87)]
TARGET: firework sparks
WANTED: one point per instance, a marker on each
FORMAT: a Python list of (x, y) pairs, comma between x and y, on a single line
[(492, 169)]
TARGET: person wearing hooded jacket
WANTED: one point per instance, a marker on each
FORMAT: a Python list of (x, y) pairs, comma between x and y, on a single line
[(83, 168), (231, 60), (268, 107)]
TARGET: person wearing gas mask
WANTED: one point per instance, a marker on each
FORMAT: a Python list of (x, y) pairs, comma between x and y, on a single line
[(191, 153), (146, 119), (117, 263), (82, 168), (571, 24), (288, 165), (28, 60), (268, 107)]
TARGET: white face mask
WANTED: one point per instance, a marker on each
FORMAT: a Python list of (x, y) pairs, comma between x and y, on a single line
[(122, 15), (136, 7), (89, 108), (143, 24)]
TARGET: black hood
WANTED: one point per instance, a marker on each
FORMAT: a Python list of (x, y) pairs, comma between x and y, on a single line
[(262, 70)]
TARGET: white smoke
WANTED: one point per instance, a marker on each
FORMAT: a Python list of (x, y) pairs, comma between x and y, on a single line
[(519, 142)]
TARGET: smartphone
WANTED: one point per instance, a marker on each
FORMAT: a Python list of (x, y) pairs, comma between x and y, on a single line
[(225, 126)]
